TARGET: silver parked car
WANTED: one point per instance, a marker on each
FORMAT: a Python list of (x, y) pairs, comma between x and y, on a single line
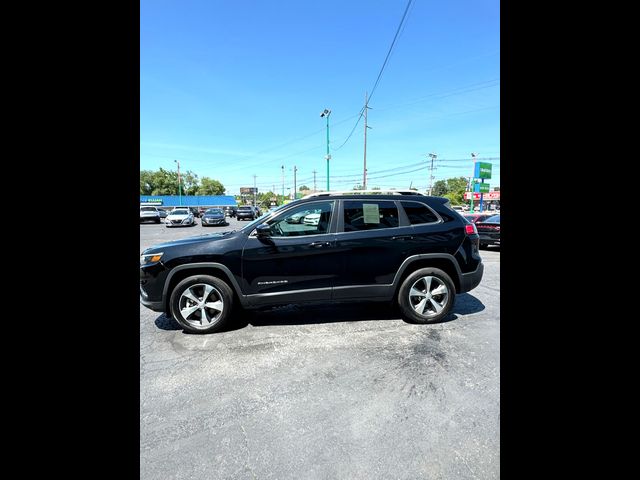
[(180, 217), (149, 214)]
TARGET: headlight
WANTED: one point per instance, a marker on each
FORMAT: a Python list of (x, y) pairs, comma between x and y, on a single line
[(150, 258)]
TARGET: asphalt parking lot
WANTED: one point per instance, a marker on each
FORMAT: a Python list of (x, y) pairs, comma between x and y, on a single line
[(331, 392)]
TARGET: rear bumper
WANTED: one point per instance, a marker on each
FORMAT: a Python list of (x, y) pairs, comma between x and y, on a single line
[(469, 281), (489, 239)]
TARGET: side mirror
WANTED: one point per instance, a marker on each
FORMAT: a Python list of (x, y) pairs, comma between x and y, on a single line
[(263, 230)]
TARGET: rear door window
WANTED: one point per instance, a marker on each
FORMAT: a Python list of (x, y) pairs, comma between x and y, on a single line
[(369, 215)]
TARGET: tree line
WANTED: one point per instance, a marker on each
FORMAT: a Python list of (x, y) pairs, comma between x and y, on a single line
[(165, 182)]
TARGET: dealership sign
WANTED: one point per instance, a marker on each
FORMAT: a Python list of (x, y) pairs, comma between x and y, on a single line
[(482, 170), (150, 201), (485, 196), (481, 187), (248, 190)]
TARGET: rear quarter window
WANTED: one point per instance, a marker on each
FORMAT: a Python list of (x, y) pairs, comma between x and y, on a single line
[(419, 213)]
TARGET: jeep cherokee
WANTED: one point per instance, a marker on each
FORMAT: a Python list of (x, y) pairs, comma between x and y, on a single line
[(396, 246)]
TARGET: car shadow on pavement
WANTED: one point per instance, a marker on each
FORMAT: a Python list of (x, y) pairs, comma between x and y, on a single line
[(465, 304)]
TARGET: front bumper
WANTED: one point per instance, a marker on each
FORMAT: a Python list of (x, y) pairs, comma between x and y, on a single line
[(155, 306), (469, 281), (215, 221)]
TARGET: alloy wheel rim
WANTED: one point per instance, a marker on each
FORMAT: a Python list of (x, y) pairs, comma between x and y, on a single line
[(201, 305), (428, 296)]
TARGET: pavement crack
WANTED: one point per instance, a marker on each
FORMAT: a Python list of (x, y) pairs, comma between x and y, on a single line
[(246, 444)]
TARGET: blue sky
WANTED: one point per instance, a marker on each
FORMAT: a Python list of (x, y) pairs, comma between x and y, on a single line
[(235, 88)]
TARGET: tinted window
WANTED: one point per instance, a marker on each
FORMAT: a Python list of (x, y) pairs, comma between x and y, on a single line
[(147, 209), (494, 219), (305, 220), (213, 210), (180, 212), (418, 213), (369, 215)]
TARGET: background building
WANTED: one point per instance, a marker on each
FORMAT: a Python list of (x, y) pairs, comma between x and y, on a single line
[(173, 201)]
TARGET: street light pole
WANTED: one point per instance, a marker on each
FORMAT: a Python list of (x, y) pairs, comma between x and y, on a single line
[(283, 184), (179, 184), (326, 113)]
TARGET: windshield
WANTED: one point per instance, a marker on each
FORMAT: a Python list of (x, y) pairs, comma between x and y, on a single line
[(147, 209), (494, 219), (213, 210), (180, 212)]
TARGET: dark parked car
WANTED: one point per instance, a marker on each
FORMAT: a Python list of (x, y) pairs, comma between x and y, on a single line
[(246, 212), (489, 231), (477, 217), (195, 211), (230, 210), (213, 216), (404, 248)]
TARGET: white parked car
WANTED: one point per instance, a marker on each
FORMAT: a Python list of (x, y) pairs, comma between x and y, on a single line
[(311, 219), (148, 213), (180, 217)]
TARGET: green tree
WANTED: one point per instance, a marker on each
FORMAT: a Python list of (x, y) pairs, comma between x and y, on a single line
[(302, 188), (146, 182), (190, 183), (358, 187), (165, 182), (209, 186), (378, 188), (439, 188)]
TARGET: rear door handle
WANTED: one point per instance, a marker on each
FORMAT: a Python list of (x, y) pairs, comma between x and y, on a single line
[(402, 237), (319, 244)]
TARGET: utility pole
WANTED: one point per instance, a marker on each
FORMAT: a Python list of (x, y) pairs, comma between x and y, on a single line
[(366, 107), (433, 157), (326, 113), (179, 184), (255, 190), (473, 156), (314, 181), (283, 183), (295, 192)]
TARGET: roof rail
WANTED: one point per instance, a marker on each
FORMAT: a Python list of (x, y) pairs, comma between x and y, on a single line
[(365, 192)]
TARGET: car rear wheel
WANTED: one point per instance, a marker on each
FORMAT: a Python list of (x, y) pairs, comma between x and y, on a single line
[(201, 303), (426, 296)]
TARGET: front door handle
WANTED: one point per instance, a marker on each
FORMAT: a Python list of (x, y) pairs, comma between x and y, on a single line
[(402, 237), (319, 244)]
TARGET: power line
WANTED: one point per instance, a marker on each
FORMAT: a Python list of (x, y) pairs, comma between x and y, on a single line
[(390, 48), (395, 37)]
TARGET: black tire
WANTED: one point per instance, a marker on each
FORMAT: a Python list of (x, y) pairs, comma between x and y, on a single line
[(158, 220), (438, 281), (220, 293)]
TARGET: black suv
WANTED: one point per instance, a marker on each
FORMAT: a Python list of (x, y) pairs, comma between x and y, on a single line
[(403, 247), (246, 212)]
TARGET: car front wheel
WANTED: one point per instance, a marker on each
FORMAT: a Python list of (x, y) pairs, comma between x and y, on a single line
[(201, 303), (426, 296)]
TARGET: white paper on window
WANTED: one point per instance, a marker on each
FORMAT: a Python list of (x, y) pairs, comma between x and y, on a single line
[(371, 213)]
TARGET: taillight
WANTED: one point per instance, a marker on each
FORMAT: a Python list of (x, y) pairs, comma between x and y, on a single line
[(470, 228)]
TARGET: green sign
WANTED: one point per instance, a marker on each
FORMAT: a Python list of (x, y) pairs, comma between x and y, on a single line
[(482, 170), (481, 187)]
